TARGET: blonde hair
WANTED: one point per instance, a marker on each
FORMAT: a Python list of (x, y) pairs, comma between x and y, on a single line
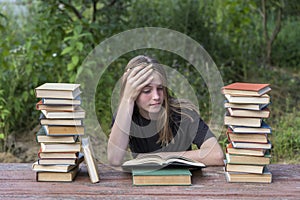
[(170, 104)]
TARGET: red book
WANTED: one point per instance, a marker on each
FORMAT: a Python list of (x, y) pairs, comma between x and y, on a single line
[(246, 89)]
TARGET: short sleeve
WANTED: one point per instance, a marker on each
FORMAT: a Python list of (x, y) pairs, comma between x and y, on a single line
[(203, 132)]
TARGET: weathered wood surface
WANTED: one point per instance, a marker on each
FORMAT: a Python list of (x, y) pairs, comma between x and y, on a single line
[(18, 181)]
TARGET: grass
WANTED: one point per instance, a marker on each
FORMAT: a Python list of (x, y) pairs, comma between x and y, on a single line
[(286, 139)]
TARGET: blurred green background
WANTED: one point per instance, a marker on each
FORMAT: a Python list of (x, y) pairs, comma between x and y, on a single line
[(250, 41)]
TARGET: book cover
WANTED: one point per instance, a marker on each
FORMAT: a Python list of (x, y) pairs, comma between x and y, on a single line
[(161, 177), (52, 101), (40, 106), (264, 128), (51, 168), (242, 151), (248, 160), (250, 145), (265, 113), (90, 160), (60, 147), (245, 106), (246, 137), (264, 99), (78, 113), (61, 161), (56, 155), (242, 121), (58, 90), (254, 169), (246, 89), (41, 136), (63, 130), (60, 122), (58, 176), (240, 177)]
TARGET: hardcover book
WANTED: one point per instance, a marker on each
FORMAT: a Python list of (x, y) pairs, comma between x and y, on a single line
[(245, 106), (52, 101), (242, 121), (264, 128), (240, 177), (250, 145), (246, 137), (248, 160), (255, 169), (63, 130), (41, 136), (90, 160), (264, 99), (265, 113), (60, 122), (247, 152), (40, 106), (61, 161), (246, 89), (161, 177), (58, 176), (56, 155), (51, 168), (58, 90), (78, 113), (60, 147)]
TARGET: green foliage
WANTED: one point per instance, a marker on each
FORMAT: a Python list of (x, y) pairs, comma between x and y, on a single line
[(287, 46)]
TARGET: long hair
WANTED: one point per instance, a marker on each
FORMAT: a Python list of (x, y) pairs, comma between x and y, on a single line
[(170, 104)]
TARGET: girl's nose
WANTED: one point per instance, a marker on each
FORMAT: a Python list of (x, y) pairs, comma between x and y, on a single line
[(156, 94)]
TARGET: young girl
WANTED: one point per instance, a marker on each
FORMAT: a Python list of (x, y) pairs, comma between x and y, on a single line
[(149, 120)]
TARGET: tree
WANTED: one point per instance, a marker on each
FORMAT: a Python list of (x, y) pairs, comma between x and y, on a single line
[(269, 36)]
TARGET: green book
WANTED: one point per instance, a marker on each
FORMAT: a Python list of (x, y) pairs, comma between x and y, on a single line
[(164, 176)]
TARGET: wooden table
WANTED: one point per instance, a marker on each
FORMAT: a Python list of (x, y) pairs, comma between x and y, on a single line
[(17, 180)]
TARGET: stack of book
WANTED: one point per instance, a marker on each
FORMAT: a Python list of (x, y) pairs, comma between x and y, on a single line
[(248, 151), (152, 169), (61, 122)]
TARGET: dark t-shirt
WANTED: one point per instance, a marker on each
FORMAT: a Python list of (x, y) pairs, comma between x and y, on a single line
[(186, 131)]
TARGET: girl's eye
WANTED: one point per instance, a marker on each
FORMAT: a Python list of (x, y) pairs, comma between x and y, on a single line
[(160, 88), (146, 91)]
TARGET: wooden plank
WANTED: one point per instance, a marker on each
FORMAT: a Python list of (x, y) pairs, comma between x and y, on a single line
[(18, 181)]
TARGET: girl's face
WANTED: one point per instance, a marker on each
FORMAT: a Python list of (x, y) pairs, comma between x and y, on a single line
[(151, 98)]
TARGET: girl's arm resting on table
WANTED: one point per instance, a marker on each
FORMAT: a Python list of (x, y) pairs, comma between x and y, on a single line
[(210, 153)]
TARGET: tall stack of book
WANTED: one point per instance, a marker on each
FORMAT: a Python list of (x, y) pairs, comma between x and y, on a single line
[(61, 122), (248, 151)]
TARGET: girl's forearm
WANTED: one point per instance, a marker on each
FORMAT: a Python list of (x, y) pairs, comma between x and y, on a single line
[(119, 136), (210, 153)]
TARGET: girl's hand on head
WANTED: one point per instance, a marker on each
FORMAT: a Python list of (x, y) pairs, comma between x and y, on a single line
[(137, 78)]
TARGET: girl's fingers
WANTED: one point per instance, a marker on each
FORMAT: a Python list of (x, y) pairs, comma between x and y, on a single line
[(144, 83), (138, 71)]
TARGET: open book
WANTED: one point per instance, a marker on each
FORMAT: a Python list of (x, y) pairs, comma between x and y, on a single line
[(155, 161)]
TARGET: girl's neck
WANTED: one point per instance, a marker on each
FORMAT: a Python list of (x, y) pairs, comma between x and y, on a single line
[(149, 116)]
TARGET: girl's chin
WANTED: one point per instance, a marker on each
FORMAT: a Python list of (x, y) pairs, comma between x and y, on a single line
[(154, 109)]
